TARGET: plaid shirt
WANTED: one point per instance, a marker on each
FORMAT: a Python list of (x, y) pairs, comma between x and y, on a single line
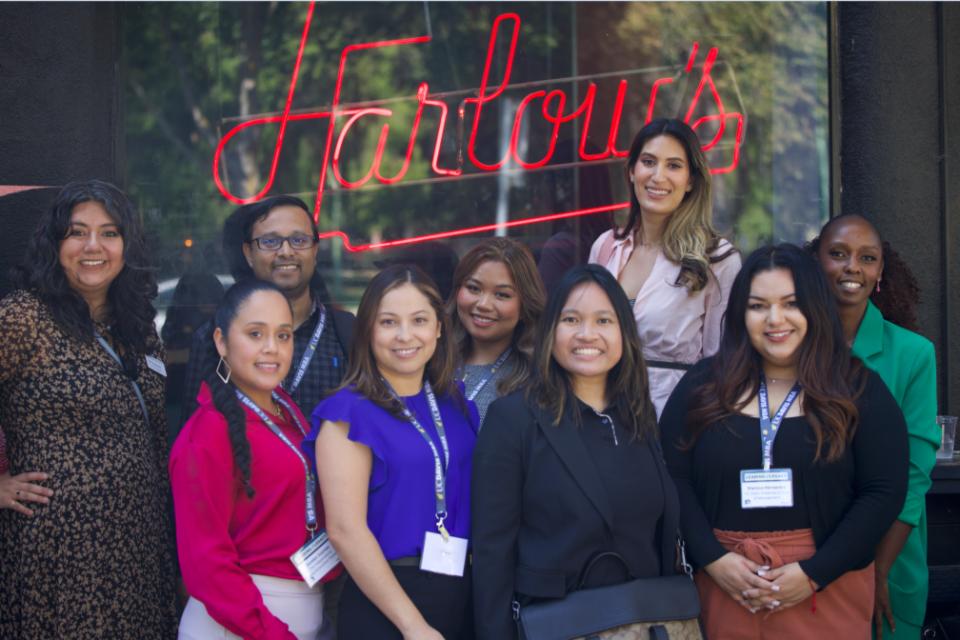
[(326, 369)]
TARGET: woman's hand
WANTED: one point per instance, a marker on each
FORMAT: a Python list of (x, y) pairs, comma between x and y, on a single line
[(881, 604), (424, 632), (794, 585), (741, 579), (15, 490)]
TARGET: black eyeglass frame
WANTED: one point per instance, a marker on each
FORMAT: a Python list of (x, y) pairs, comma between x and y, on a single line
[(258, 242)]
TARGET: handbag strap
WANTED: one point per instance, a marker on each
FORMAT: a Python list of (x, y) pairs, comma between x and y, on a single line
[(599, 557)]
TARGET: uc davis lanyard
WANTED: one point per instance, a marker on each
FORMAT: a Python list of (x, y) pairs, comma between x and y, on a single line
[(472, 394), (311, 508), (309, 351), (769, 428), (439, 467), (133, 383)]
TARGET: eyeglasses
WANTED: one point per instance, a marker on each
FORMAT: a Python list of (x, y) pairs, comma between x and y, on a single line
[(298, 242)]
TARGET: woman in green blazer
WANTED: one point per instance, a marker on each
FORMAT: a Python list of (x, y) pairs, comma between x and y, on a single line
[(879, 321)]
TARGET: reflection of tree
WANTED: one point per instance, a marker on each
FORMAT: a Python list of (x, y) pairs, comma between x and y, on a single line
[(195, 70)]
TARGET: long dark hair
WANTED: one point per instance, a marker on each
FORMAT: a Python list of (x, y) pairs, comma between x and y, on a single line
[(225, 394), (627, 386), (363, 373), (130, 294), (530, 294), (689, 237), (237, 230), (899, 294), (831, 379)]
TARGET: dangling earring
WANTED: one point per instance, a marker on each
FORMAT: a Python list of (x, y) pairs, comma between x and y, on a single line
[(223, 378), (878, 284)]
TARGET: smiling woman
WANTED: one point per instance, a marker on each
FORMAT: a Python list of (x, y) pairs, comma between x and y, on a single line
[(239, 481), (857, 264), (789, 458), (497, 301), (393, 448), (82, 377), (570, 470), (671, 262)]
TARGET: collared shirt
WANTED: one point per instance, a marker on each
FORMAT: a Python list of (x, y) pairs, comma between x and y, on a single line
[(674, 325)]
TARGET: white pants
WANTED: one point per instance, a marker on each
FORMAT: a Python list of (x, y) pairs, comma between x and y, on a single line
[(299, 606)]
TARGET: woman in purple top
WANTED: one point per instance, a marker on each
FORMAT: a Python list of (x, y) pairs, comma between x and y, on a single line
[(393, 449)]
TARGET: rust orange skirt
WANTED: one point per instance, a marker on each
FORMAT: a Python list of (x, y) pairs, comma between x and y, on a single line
[(844, 608)]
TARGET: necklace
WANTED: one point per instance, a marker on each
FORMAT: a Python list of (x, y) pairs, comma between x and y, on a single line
[(276, 409)]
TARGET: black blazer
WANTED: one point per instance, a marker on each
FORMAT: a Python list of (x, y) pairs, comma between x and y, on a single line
[(540, 511)]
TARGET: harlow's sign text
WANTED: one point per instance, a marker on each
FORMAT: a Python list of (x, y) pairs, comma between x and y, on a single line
[(553, 110)]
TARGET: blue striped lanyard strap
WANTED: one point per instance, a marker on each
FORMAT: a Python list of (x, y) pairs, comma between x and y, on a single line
[(311, 504), (769, 428), (309, 351), (440, 466), (472, 394)]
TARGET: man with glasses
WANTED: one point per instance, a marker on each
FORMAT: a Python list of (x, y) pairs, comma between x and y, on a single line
[(276, 240)]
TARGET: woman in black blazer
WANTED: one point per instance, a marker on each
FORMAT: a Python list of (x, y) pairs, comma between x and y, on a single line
[(571, 468)]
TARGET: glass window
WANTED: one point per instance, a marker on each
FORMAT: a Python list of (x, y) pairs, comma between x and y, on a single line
[(451, 116)]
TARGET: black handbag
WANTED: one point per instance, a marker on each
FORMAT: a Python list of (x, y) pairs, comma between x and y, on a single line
[(662, 608)]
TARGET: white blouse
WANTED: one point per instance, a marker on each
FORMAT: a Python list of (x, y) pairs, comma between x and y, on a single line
[(674, 325)]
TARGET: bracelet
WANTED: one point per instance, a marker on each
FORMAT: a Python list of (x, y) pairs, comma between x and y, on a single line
[(813, 606)]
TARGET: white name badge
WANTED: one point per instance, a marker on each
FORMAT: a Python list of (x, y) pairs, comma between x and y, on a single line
[(156, 364), (762, 489), (446, 557), (315, 559)]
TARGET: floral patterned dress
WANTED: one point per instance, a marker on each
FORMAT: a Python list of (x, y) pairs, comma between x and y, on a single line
[(98, 561)]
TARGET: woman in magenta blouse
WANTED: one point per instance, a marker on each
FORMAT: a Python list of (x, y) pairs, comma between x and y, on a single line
[(393, 449), (244, 494)]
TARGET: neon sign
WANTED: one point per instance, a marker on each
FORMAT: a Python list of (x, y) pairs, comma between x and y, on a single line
[(550, 106)]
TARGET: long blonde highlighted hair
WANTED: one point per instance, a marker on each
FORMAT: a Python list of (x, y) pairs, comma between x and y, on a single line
[(689, 237)]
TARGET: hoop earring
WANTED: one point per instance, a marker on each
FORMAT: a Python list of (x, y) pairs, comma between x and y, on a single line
[(223, 378)]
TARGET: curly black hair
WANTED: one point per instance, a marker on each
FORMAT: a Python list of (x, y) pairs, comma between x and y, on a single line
[(899, 292), (132, 291)]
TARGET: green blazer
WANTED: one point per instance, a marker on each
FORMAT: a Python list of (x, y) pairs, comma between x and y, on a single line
[(907, 364)]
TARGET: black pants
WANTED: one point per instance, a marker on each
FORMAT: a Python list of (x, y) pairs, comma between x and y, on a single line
[(444, 601)]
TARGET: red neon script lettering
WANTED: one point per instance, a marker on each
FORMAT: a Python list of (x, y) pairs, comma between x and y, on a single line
[(551, 106)]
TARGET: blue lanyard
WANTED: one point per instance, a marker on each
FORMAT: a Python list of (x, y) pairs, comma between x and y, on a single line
[(309, 351), (439, 467), (311, 508), (769, 428), (472, 394), (133, 383)]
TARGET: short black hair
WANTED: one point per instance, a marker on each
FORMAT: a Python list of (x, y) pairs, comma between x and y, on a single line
[(239, 225)]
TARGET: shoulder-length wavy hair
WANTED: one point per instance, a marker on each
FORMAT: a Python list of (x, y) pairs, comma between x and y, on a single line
[(689, 237), (363, 372), (899, 296), (530, 294), (131, 292), (831, 379), (238, 228), (628, 390)]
